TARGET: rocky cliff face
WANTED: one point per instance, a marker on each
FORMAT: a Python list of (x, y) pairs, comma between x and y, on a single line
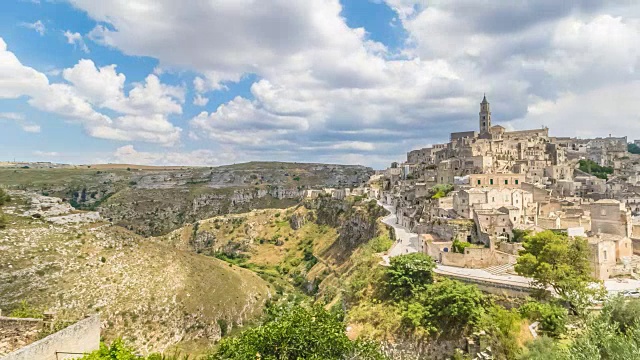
[(157, 201), (356, 224)]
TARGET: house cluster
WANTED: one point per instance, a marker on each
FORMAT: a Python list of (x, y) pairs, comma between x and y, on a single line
[(487, 189)]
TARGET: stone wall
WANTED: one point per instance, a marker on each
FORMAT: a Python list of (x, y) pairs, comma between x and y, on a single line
[(472, 258), (77, 339), (16, 333)]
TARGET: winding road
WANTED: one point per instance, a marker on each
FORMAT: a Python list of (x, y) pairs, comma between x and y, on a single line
[(408, 242)]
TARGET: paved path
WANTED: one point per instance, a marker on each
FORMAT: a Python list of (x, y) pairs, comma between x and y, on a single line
[(408, 242)]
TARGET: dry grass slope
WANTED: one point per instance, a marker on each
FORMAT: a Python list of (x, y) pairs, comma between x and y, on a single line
[(153, 295)]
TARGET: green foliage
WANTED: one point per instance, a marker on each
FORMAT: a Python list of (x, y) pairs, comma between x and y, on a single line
[(4, 197), (409, 275), (296, 333), (624, 313), (633, 148), (542, 348), (552, 318), (520, 235), (380, 244), (612, 334), (116, 351), (3, 220), (459, 246), (593, 168), (441, 190), (502, 327), (24, 310), (448, 306), (560, 262)]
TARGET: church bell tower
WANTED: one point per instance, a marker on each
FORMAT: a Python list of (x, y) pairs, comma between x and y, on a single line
[(485, 116)]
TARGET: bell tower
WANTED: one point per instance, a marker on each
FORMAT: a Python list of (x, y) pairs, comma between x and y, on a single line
[(485, 116)]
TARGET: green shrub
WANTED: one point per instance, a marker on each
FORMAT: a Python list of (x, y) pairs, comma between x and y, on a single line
[(408, 275), (447, 306), (552, 318), (459, 246), (297, 333), (24, 310)]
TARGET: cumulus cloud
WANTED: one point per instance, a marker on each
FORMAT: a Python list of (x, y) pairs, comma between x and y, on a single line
[(327, 92), (141, 114), (20, 119), (76, 40), (129, 155), (37, 26), (200, 100)]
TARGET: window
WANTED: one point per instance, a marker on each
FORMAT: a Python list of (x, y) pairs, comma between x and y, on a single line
[(506, 182), (478, 182), (491, 181), (603, 212), (516, 182), (605, 254), (514, 218), (493, 199)]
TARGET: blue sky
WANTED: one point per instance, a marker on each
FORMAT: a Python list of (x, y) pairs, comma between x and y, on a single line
[(351, 81)]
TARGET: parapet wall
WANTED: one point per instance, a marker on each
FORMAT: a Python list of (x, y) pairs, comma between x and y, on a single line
[(69, 343)]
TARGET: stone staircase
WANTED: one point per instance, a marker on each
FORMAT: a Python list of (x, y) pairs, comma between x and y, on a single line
[(503, 269)]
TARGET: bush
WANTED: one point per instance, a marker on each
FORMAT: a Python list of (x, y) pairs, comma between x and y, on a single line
[(624, 313), (24, 310), (459, 246), (296, 333), (4, 197), (409, 274), (502, 327), (552, 318), (447, 306)]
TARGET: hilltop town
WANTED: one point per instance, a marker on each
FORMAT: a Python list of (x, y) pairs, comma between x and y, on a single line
[(488, 188)]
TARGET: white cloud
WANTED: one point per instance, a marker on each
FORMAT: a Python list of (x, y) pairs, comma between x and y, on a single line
[(20, 119), (129, 155), (326, 91), (37, 26), (142, 114), (46, 153), (200, 100), (76, 40)]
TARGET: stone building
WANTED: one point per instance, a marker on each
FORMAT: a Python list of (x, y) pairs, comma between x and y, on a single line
[(611, 217)]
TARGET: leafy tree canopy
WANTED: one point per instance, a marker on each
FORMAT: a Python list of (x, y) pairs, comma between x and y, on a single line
[(447, 306), (562, 263), (409, 274), (297, 333)]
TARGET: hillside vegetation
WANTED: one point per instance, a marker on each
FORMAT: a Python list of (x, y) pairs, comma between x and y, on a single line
[(151, 294), (154, 201)]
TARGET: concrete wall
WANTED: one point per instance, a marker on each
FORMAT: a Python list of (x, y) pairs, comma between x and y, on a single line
[(81, 337)]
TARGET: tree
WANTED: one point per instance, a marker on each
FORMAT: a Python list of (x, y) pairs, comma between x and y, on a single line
[(559, 262), (116, 351), (624, 313), (502, 327), (633, 148), (409, 274), (459, 246), (552, 318), (448, 306), (297, 333)]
